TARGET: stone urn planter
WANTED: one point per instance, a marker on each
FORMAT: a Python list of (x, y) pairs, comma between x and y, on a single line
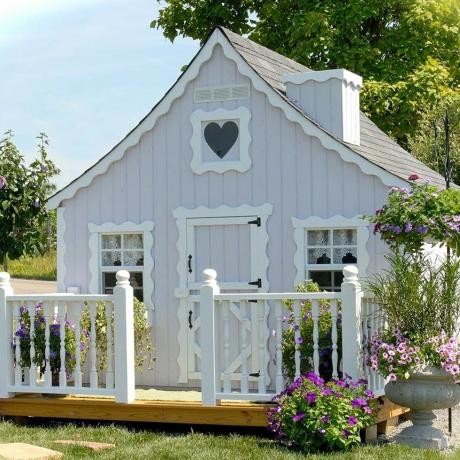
[(424, 391)]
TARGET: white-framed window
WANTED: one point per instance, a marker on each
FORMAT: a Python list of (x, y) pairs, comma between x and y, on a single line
[(122, 251), (126, 246), (220, 140), (326, 246)]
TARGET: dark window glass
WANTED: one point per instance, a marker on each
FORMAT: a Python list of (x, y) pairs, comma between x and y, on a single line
[(327, 280), (109, 281)]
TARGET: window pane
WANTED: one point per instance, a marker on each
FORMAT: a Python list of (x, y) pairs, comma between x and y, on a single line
[(111, 258), (111, 241), (345, 237), (318, 237), (337, 279), (319, 256), (323, 279), (132, 258), (133, 241), (108, 282), (345, 255)]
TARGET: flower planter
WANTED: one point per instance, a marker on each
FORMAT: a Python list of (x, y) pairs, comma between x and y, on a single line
[(423, 392)]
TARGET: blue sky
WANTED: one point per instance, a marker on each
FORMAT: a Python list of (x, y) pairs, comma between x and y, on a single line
[(83, 71)]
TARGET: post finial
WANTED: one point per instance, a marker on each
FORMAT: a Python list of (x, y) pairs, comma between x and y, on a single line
[(209, 277), (122, 278), (5, 279), (350, 273)]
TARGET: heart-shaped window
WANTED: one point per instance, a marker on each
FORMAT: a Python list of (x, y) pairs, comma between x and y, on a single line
[(221, 138)]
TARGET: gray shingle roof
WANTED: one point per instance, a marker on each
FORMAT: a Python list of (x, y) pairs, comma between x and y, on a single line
[(376, 146)]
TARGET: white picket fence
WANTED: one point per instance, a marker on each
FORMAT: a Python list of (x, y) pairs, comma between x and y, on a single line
[(360, 318), (55, 311)]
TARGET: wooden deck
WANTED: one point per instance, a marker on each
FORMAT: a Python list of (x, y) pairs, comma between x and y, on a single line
[(229, 413)]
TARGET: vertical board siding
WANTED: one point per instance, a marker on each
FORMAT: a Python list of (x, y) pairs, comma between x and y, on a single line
[(290, 170)]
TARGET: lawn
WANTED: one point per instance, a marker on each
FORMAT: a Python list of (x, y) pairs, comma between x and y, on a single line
[(140, 444), (38, 267)]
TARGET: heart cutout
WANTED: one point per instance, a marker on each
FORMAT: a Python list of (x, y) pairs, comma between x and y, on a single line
[(221, 138)]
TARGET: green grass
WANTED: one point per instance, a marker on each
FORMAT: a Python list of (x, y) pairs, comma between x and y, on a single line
[(137, 444), (38, 267)]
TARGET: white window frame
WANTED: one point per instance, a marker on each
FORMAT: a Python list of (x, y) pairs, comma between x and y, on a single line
[(243, 115), (301, 226), (95, 263)]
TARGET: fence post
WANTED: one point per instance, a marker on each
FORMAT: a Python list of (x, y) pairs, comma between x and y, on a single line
[(208, 339), (124, 339), (351, 323), (6, 336)]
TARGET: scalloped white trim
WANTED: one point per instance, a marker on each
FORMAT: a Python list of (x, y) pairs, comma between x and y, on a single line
[(182, 292), (321, 76), (60, 249), (301, 225), (243, 115), (149, 262), (275, 99)]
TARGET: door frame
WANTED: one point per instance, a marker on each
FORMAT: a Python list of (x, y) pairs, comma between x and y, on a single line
[(182, 291)]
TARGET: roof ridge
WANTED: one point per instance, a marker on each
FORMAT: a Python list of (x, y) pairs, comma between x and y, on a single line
[(229, 33)]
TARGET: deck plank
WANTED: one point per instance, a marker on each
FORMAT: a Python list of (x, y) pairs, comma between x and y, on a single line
[(229, 413)]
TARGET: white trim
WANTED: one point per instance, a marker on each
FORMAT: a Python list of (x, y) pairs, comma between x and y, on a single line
[(314, 222), (243, 115), (94, 248), (321, 76), (182, 292), (60, 248), (274, 97)]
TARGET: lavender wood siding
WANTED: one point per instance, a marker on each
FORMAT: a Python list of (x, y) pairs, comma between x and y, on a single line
[(291, 171)]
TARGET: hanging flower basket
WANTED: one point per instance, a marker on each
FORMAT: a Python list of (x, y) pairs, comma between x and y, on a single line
[(417, 215)]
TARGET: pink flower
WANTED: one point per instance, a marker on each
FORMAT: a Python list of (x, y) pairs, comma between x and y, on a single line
[(2, 182), (392, 377)]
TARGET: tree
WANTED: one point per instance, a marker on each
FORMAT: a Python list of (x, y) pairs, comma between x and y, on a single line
[(23, 193), (429, 142), (406, 50)]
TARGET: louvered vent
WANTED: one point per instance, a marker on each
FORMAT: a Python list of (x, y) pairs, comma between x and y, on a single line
[(222, 93)]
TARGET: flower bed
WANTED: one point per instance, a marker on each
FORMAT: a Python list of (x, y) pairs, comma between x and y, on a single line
[(318, 415)]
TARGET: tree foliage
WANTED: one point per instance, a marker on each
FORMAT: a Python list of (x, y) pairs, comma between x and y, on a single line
[(24, 189), (406, 50), (429, 141)]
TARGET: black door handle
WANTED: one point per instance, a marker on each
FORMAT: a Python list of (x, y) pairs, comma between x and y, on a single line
[(190, 313), (190, 263)]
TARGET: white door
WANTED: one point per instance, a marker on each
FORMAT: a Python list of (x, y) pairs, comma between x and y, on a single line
[(231, 246)]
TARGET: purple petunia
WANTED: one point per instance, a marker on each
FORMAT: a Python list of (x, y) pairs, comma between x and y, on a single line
[(2, 182), (325, 419), (346, 433), (311, 398), (315, 379), (298, 340), (422, 229), (352, 420), (299, 416), (358, 402), (408, 227)]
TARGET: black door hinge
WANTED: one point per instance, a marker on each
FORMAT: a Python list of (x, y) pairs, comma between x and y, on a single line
[(255, 374), (190, 313), (257, 283), (190, 263), (257, 222)]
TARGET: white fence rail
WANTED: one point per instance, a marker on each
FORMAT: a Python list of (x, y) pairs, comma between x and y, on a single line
[(45, 341), (352, 319)]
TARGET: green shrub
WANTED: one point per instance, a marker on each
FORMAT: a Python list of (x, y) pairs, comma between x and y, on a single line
[(306, 333)]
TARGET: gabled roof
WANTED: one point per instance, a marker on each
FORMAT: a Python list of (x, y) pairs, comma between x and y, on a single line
[(378, 154), (376, 146)]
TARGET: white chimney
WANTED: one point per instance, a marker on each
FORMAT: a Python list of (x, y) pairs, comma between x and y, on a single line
[(329, 97)]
